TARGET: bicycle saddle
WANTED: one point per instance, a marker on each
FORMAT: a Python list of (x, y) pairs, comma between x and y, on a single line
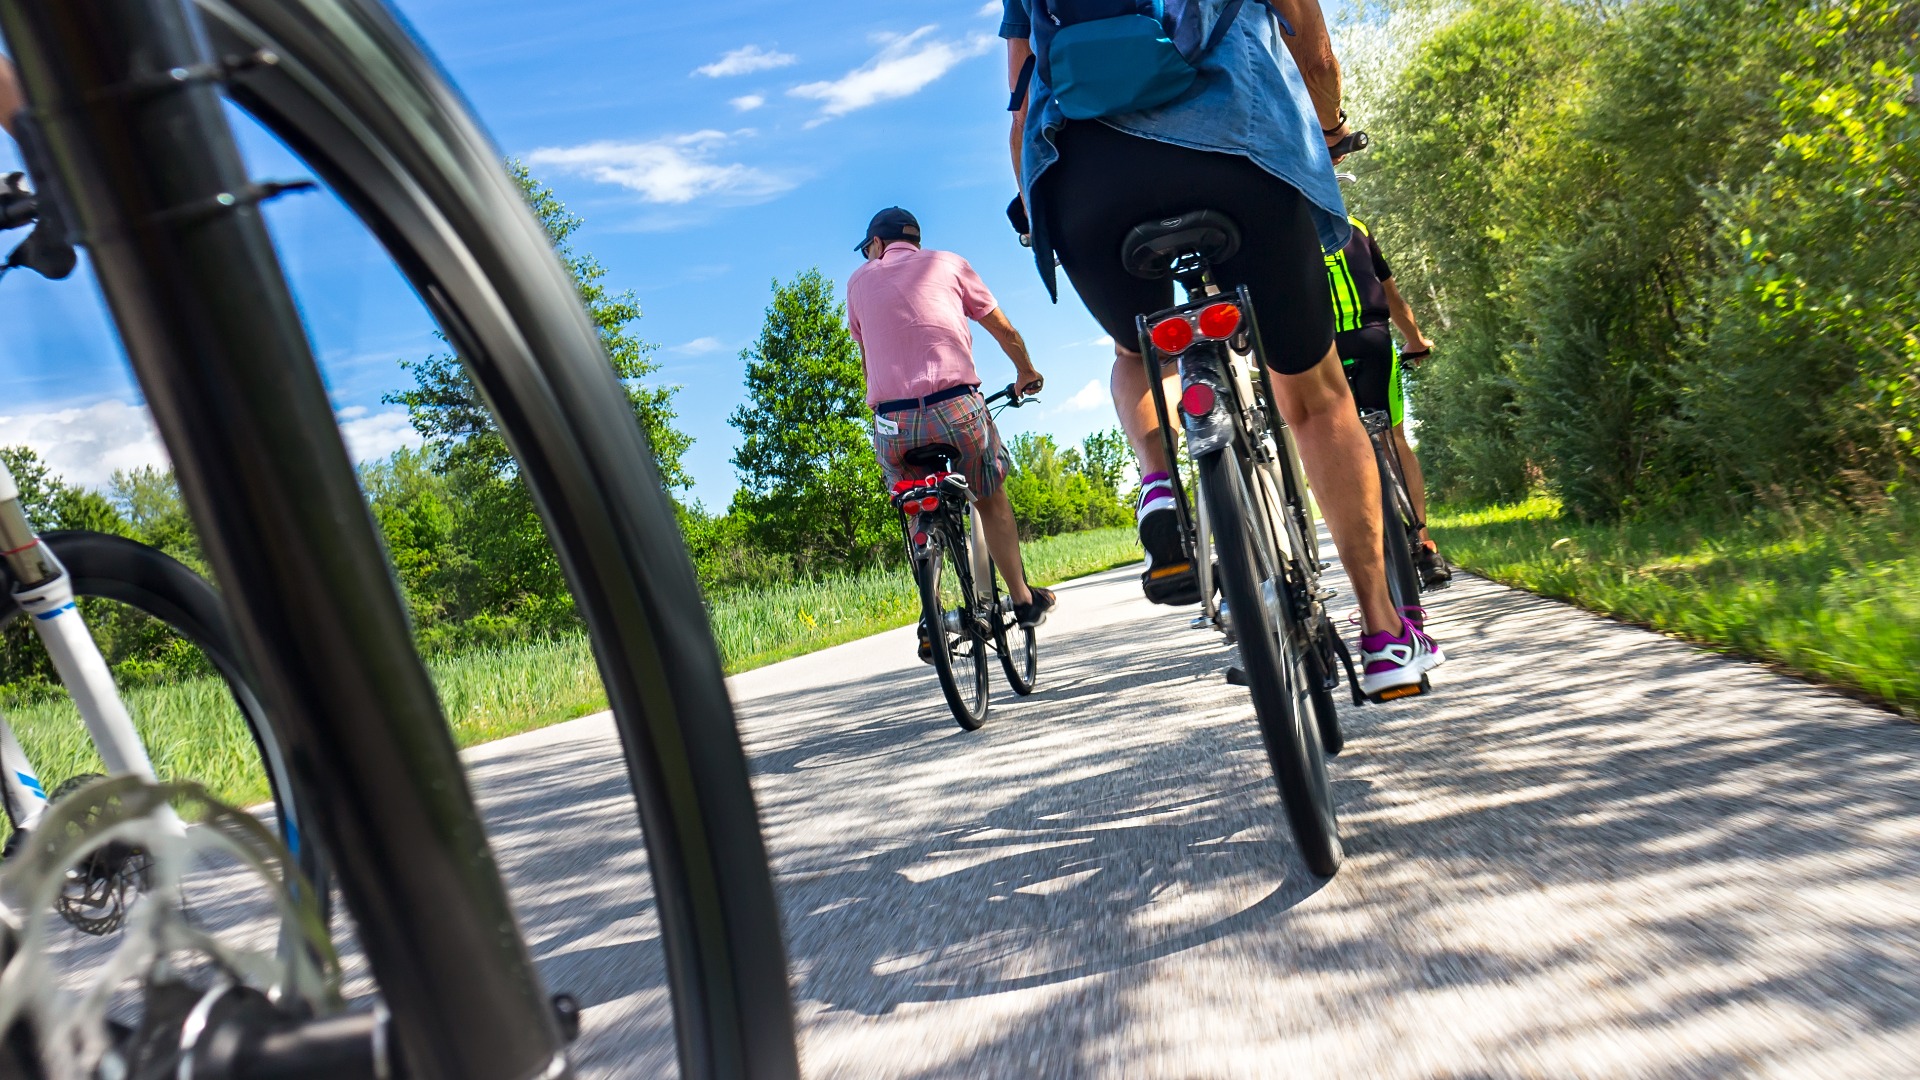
[(1151, 247), (938, 456)]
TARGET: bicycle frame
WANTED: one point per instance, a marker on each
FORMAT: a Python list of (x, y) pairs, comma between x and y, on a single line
[(45, 592)]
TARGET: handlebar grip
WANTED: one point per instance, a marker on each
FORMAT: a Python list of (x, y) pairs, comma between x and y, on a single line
[(17, 209), (1355, 142)]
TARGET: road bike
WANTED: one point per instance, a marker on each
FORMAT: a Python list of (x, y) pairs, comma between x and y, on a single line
[(1250, 540), (126, 138), (965, 619), (1401, 527)]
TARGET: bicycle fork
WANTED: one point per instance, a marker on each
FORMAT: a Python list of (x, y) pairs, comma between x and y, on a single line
[(44, 591)]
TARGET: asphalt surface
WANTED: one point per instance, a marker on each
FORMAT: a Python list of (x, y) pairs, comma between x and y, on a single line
[(1591, 852)]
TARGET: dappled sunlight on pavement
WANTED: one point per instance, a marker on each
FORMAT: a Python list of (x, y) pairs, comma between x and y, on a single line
[(1591, 852)]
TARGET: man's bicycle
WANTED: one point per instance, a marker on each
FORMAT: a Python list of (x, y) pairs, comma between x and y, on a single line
[(126, 134), (1252, 528), (964, 617)]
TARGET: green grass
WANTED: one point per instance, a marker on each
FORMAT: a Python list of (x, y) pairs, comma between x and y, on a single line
[(192, 729), (1829, 594)]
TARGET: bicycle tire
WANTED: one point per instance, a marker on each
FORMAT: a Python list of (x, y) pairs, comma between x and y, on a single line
[(1403, 575), (969, 710), (363, 104), (1275, 660), (1022, 675), (109, 567)]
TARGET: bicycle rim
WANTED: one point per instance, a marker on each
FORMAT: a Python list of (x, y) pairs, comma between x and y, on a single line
[(959, 651), (1275, 661)]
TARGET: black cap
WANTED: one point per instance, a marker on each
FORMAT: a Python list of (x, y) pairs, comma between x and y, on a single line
[(892, 223)]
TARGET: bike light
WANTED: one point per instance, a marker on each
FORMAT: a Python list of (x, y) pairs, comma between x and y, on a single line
[(920, 539), (911, 506), (929, 504), (1219, 321), (1172, 336), (1197, 400)]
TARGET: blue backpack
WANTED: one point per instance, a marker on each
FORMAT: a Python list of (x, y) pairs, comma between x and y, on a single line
[(1102, 57)]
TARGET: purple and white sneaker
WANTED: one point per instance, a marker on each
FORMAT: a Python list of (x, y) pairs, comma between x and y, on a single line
[(1169, 577), (1397, 666)]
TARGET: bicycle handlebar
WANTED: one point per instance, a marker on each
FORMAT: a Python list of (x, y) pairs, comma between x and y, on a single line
[(1010, 396)]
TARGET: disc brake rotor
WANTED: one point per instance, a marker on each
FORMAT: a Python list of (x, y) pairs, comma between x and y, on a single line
[(105, 819)]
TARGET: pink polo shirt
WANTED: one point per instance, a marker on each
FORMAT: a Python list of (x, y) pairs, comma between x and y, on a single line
[(909, 309)]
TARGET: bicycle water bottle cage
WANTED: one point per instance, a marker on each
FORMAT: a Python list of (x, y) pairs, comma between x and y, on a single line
[(1184, 245)]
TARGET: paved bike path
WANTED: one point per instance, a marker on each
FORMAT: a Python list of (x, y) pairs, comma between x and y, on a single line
[(1592, 852)]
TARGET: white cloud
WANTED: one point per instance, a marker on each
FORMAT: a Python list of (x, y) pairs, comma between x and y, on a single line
[(699, 346), (674, 169), (1090, 396), (905, 64), (87, 445), (372, 436), (745, 60), (991, 8), (748, 102)]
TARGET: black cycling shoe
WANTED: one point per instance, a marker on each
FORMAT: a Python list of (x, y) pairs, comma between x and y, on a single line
[(1035, 613), (1170, 577), (1434, 571)]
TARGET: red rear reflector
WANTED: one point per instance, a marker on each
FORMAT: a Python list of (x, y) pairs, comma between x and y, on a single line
[(920, 539), (1197, 400), (1172, 336), (911, 506), (1219, 321), (931, 502)]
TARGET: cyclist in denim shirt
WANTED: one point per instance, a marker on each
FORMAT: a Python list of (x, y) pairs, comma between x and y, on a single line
[(1250, 139)]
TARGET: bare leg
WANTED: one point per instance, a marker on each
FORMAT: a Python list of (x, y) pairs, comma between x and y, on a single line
[(1339, 461), (1133, 401), (1003, 540), (1416, 480)]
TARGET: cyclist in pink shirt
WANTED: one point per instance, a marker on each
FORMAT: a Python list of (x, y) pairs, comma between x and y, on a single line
[(908, 308)]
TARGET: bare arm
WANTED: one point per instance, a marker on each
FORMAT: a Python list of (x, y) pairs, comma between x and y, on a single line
[(11, 101), (1402, 316), (1026, 380), (1312, 49), (1017, 54)]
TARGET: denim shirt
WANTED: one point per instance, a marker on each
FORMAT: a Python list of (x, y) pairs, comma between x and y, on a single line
[(1249, 100)]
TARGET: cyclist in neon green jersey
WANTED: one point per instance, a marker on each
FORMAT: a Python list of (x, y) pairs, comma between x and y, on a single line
[(1365, 300)]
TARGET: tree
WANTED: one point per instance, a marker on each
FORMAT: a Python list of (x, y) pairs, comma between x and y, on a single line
[(471, 550), (446, 408), (809, 485), (1055, 490)]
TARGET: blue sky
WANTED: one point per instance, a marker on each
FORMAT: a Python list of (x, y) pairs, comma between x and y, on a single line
[(711, 148)]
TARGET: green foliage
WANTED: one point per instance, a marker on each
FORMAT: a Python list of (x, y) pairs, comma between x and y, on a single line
[(1671, 247), (1055, 491), (465, 537), (1826, 592), (810, 489)]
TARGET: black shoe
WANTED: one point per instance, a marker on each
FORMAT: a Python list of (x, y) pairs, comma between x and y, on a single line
[(1434, 571), (1170, 577), (1034, 613)]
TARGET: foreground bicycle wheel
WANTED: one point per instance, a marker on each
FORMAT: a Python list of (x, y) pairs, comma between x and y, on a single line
[(948, 604), (1274, 655), (114, 568)]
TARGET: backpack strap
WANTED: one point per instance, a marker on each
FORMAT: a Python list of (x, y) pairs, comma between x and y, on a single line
[(1225, 23), (1020, 84)]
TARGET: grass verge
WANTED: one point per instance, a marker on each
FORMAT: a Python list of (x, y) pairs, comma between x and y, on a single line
[(1824, 593), (192, 728)]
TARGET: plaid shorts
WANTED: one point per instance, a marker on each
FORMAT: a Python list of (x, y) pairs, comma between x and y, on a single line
[(961, 422)]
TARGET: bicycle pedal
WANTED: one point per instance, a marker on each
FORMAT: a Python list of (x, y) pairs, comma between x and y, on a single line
[(1201, 622), (1401, 693), (1176, 585), (1238, 677)]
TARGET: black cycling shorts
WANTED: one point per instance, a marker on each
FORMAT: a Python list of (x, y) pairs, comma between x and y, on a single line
[(1106, 182), (1373, 370)]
